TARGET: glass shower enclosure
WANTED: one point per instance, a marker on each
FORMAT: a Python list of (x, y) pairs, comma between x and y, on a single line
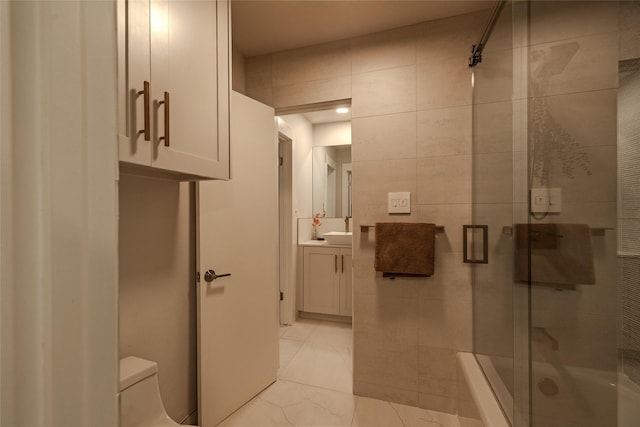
[(556, 212)]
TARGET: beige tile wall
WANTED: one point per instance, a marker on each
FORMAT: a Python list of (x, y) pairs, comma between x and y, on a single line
[(411, 97)]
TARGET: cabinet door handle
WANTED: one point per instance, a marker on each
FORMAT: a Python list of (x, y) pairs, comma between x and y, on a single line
[(167, 108), (335, 262), (146, 91), (342, 262)]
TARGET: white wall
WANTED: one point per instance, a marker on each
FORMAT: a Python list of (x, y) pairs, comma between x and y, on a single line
[(306, 136), (238, 70), (157, 300), (58, 228), (337, 133), (302, 159)]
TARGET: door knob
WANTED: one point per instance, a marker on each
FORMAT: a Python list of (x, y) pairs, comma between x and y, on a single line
[(211, 275)]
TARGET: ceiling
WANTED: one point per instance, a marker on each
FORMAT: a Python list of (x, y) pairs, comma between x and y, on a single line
[(267, 26)]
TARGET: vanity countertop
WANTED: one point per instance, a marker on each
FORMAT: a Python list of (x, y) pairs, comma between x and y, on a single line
[(322, 243)]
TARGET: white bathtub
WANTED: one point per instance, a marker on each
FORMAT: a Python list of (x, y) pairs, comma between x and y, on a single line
[(628, 402), (561, 396), (582, 397), (477, 406)]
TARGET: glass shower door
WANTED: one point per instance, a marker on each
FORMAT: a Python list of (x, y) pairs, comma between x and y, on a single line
[(499, 202), (555, 183)]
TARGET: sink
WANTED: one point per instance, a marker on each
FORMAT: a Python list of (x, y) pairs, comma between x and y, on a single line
[(338, 237)]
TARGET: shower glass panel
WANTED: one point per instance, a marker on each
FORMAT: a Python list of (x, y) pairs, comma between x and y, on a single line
[(574, 103), (556, 125), (499, 193)]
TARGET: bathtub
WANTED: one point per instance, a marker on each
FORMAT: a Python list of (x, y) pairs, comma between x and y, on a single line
[(561, 396), (628, 402), (477, 405)]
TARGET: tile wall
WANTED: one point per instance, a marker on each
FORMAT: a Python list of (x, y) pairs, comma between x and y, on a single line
[(411, 129)]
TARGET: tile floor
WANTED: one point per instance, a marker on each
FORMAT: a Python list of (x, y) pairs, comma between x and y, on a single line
[(314, 387)]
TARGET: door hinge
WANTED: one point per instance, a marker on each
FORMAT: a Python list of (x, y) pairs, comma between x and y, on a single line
[(281, 296), (281, 161), (198, 276)]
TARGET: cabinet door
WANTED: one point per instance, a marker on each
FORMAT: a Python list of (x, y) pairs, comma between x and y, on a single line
[(133, 71), (346, 279), (321, 280), (190, 86)]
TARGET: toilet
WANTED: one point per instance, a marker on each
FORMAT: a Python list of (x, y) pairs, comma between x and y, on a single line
[(140, 401)]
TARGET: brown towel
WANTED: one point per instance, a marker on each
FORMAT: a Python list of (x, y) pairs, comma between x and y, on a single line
[(560, 255), (543, 236), (405, 248)]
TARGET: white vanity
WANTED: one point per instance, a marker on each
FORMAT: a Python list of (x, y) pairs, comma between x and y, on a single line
[(327, 278)]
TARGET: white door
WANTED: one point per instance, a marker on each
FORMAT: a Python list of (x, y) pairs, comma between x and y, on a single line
[(238, 235)]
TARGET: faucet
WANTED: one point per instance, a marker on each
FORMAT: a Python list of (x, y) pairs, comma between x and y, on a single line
[(346, 224), (539, 334)]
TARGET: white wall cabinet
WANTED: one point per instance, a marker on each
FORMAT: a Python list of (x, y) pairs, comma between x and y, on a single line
[(327, 280), (174, 87)]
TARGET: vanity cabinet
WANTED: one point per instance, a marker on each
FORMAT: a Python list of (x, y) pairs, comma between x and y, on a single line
[(327, 280), (174, 87)]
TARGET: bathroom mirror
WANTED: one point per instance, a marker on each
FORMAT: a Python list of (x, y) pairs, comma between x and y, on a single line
[(325, 130), (332, 180)]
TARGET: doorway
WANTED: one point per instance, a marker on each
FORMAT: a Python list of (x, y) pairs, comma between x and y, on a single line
[(305, 189)]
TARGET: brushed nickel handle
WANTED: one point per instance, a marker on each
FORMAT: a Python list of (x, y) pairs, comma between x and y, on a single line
[(146, 91), (167, 107)]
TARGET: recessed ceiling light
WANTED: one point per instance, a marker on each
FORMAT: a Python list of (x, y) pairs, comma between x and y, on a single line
[(342, 110)]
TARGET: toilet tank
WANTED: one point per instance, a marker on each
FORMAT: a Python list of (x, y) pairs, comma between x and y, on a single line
[(134, 369), (140, 401)]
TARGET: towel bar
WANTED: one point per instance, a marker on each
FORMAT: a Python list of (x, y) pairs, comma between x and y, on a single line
[(595, 231), (365, 228)]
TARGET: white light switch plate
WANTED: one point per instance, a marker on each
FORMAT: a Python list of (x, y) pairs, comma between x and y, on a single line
[(400, 202), (546, 200)]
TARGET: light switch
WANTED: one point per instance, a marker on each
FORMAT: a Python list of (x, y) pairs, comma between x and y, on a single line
[(400, 202), (546, 200)]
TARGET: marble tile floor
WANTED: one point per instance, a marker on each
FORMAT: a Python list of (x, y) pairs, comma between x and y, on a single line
[(314, 387)]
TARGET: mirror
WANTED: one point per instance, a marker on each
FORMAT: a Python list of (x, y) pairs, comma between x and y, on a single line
[(332, 180), (326, 133)]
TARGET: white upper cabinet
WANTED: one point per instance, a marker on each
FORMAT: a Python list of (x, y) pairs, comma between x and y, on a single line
[(174, 86)]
